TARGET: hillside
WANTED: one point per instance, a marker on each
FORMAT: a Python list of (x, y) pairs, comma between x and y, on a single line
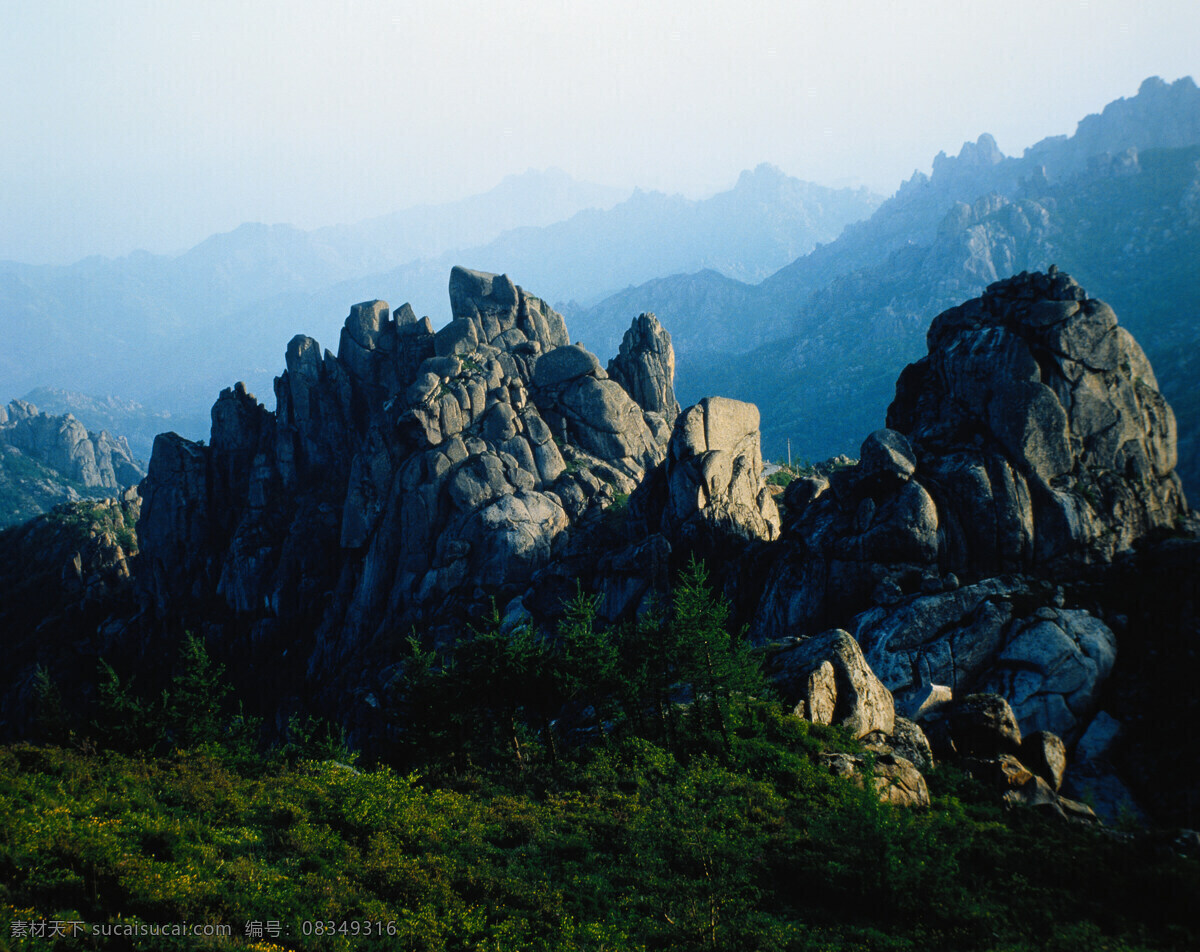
[(483, 642), (47, 459)]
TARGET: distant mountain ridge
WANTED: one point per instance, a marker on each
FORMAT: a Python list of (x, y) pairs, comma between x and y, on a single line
[(175, 329), (818, 344)]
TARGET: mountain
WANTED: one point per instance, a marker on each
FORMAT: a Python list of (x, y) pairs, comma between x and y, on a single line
[(173, 329), (136, 423), (532, 199), (419, 485), (818, 344), (46, 460)]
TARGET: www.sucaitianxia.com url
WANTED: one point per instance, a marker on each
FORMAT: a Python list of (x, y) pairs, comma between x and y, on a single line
[(65, 928)]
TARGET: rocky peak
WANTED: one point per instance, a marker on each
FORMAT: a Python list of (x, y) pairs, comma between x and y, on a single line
[(1030, 443), (1035, 395), (645, 367), (502, 313), (408, 481), (97, 461)]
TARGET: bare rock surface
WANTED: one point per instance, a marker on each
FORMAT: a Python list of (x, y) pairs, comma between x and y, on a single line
[(46, 459), (827, 680), (1030, 445), (709, 493), (406, 482)]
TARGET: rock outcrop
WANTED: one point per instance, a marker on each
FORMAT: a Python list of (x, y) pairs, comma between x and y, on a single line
[(1041, 429), (1032, 438), (1029, 448), (96, 460), (827, 681), (1049, 662), (709, 492), (645, 367), (407, 483), (46, 460)]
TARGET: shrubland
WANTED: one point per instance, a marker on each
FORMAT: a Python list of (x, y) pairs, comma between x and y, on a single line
[(589, 788)]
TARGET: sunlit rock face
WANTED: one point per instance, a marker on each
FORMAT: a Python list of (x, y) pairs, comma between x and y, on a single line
[(1030, 443), (1038, 419), (406, 483)]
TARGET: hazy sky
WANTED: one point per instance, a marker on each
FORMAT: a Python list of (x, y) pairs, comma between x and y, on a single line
[(130, 124)]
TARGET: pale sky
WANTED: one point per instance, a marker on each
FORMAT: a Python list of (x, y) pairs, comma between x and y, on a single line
[(154, 123)]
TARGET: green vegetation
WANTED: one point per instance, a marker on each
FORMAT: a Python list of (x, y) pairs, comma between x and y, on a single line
[(586, 789), (29, 487), (88, 519)]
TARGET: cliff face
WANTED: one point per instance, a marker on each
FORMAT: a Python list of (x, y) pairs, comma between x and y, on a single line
[(1028, 447), (408, 483), (45, 460)]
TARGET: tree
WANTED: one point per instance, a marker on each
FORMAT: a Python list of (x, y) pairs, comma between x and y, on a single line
[(716, 665)]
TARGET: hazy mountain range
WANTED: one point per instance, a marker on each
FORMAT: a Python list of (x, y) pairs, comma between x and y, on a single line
[(169, 332), (805, 300), (818, 345)]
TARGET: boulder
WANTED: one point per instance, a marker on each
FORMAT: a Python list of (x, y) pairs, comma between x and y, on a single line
[(983, 725), (828, 675), (1098, 740), (908, 740), (1046, 755), (1049, 663), (1051, 669), (564, 364), (896, 780), (712, 476)]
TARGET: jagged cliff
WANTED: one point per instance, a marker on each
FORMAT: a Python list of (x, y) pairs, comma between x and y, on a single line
[(419, 481), (405, 484), (46, 460)]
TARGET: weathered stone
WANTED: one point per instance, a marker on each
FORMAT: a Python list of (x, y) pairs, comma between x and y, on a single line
[(1098, 740), (645, 367), (442, 366), (715, 493), (984, 725), (496, 305), (889, 454), (910, 742), (896, 780), (1044, 754), (1049, 376), (928, 700), (1052, 668), (861, 703), (456, 339), (564, 364)]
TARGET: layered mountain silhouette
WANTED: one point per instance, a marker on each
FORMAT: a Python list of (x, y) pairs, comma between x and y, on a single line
[(818, 344), (171, 329)]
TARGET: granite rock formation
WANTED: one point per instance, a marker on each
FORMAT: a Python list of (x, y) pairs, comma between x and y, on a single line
[(407, 483), (95, 460), (46, 460), (1030, 445)]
